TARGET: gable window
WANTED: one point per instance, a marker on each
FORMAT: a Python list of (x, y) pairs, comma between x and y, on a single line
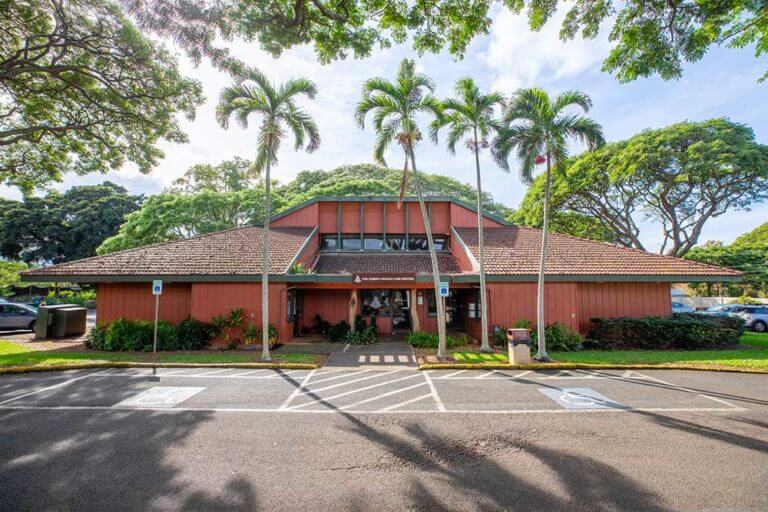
[(351, 243), (373, 243), (329, 243)]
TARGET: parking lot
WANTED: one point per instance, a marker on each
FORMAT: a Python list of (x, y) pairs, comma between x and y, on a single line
[(392, 391), (383, 439)]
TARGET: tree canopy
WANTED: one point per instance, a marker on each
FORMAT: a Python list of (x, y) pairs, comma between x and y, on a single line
[(228, 176), (171, 216), (82, 90), (648, 37), (679, 176), (62, 227)]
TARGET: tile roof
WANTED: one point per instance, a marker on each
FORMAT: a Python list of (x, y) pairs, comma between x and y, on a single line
[(231, 252), (515, 251), (343, 263)]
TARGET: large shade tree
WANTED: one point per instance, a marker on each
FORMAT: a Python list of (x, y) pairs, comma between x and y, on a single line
[(227, 176), (395, 106), (471, 117), (536, 127), (679, 177), (82, 90), (275, 105)]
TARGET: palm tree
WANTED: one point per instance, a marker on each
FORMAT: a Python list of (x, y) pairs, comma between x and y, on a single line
[(395, 106), (471, 116), (537, 128), (253, 93)]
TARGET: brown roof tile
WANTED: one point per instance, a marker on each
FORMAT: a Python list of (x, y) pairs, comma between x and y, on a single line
[(231, 252), (383, 264), (515, 251)]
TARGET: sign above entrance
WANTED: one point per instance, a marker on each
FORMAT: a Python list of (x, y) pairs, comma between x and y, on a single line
[(378, 278)]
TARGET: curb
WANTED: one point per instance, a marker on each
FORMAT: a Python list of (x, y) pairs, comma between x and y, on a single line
[(583, 366), (126, 364)]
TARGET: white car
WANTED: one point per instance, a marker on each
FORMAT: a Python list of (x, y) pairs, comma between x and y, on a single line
[(679, 307), (17, 316)]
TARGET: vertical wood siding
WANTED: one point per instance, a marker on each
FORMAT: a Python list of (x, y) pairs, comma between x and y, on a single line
[(613, 300), (395, 218), (214, 299), (328, 217), (509, 302), (307, 216), (331, 305), (373, 217), (461, 256), (134, 301), (463, 218), (350, 217)]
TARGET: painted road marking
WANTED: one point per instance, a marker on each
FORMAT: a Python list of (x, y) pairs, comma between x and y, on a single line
[(160, 396), (347, 393), (450, 375), (339, 376), (378, 397), (48, 388), (573, 374), (297, 390), (580, 398), (433, 391), (403, 404), (340, 384)]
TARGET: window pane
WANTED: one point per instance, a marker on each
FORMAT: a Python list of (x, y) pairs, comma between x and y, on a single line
[(417, 244), (439, 242), (351, 244), (396, 242), (375, 302), (373, 243), (329, 243), (431, 304)]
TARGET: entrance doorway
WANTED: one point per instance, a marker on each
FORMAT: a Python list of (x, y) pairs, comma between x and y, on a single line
[(401, 311)]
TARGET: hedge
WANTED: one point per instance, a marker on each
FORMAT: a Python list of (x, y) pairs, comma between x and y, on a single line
[(423, 339), (681, 332), (137, 335)]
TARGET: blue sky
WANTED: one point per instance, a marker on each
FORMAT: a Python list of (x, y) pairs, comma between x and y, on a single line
[(723, 83)]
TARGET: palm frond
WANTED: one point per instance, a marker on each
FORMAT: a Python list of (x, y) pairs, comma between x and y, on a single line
[(259, 78), (568, 98), (295, 87)]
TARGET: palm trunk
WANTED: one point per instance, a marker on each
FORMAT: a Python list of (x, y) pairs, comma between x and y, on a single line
[(541, 354), (484, 345), (265, 270), (442, 350)]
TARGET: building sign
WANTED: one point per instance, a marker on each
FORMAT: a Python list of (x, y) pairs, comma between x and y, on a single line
[(157, 287), (443, 288), (378, 278)]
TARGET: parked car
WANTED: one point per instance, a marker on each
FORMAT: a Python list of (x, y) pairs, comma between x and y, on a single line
[(721, 310), (17, 316), (679, 307), (756, 317)]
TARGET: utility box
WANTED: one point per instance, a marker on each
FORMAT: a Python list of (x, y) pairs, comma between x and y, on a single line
[(60, 321), (519, 346)]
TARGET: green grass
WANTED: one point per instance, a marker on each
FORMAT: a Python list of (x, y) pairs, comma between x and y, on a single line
[(751, 356), (13, 354)]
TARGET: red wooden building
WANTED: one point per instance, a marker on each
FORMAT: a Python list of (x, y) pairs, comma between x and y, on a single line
[(367, 256)]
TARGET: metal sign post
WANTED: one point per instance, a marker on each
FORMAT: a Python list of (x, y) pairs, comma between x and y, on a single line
[(157, 291)]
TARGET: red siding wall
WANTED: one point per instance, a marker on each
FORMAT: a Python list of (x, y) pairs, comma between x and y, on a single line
[(509, 302), (331, 305), (213, 299), (464, 218), (395, 218), (307, 216), (328, 215), (350, 218), (373, 217), (621, 299), (134, 301)]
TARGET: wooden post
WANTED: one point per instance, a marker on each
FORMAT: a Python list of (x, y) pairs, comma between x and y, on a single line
[(415, 326), (352, 309)]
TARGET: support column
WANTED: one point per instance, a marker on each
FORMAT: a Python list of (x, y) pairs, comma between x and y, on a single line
[(415, 326), (352, 309)]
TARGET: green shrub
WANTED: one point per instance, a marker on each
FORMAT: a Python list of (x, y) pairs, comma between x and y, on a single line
[(338, 332), (424, 339), (273, 339), (137, 335), (365, 337), (560, 337), (81, 298), (682, 331)]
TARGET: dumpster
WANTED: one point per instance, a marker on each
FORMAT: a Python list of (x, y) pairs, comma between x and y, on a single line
[(60, 321), (519, 346)]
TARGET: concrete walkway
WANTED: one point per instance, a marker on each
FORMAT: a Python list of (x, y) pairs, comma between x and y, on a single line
[(382, 355)]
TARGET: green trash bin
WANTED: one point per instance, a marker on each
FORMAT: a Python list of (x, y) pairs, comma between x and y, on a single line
[(68, 321)]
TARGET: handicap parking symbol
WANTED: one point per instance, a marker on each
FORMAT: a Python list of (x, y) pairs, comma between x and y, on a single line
[(580, 398)]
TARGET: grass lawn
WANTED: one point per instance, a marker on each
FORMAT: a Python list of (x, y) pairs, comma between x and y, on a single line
[(14, 354), (754, 354)]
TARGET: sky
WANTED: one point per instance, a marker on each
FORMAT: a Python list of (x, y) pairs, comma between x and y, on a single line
[(723, 83)]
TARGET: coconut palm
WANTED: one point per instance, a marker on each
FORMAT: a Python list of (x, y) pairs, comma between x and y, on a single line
[(470, 117), (275, 104), (538, 129), (395, 106)]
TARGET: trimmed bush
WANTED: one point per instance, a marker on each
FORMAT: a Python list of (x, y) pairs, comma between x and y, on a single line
[(681, 332), (365, 337), (560, 337), (337, 332), (423, 339), (137, 335)]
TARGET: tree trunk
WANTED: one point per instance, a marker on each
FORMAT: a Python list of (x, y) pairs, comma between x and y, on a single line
[(265, 269), (484, 345), (541, 354), (442, 350)]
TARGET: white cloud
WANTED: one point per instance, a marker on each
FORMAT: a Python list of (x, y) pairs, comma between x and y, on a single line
[(522, 58)]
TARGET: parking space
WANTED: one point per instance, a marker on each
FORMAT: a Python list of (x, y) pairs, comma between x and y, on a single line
[(339, 390)]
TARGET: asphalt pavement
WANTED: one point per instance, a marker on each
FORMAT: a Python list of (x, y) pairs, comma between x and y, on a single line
[(383, 439)]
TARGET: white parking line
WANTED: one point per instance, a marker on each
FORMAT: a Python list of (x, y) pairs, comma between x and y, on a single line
[(407, 402), (350, 382), (433, 390), (297, 390), (681, 388), (450, 375), (249, 373), (378, 397), (340, 376), (212, 372), (346, 393), (48, 388)]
